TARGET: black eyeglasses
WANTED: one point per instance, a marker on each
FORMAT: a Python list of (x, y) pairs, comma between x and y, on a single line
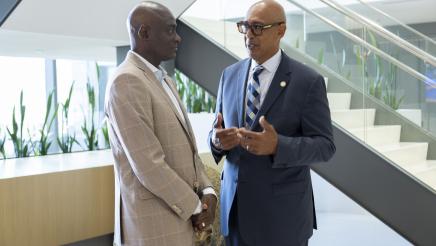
[(256, 28)]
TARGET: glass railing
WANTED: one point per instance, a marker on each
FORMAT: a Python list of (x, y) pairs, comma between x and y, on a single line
[(377, 35), (362, 80), (394, 24)]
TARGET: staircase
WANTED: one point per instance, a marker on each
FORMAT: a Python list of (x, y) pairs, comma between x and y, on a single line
[(385, 139), (381, 159)]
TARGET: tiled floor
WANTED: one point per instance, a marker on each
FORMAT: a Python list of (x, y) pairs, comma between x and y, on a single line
[(336, 229), (342, 222)]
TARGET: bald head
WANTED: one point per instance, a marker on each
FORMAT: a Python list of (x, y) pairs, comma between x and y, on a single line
[(270, 11), (152, 32), (145, 13), (264, 42)]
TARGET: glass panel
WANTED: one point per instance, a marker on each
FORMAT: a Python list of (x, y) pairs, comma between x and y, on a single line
[(376, 39), (395, 24), (27, 75), (366, 86), (81, 73)]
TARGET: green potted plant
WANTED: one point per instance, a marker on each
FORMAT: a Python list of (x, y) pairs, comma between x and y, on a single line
[(44, 143), (90, 131), (21, 145), (105, 132), (195, 98), (66, 140), (2, 146)]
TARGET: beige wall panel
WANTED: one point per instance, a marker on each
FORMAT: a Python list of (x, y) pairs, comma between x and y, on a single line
[(57, 208)]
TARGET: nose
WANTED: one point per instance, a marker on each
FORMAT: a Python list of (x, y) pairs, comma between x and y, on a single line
[(249, 33), (178, 38)]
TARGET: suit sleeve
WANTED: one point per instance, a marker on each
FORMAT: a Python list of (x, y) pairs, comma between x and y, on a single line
[(130, 112), (316, 143), (217, 153)]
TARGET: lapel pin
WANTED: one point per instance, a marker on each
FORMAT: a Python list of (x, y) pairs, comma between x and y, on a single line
[(283, 84)]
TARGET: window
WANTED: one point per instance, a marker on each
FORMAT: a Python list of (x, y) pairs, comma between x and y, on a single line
[(22, 74), (29, 75)]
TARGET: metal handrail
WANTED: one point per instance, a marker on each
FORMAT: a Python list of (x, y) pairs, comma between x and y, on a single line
[(398, 22), (382, 32), (368, 46)]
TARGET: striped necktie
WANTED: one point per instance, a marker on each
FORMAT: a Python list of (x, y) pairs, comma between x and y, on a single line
[(253, 97)]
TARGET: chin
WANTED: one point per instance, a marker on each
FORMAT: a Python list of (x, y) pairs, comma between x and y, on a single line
[(253, 55), (171, 56)]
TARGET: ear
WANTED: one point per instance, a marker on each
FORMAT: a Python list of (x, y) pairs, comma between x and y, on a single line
[(282, 30), (144, 32)]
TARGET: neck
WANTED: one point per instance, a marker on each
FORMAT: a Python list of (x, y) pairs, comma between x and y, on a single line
[(150, 58), (261, 60)]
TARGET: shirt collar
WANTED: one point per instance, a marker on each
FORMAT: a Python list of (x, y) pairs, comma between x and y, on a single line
[(159, 73), (271, 64)]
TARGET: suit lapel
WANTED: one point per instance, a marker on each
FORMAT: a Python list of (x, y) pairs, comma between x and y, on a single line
[(186, 124), (157, 84), (241, 90), (276, 87)]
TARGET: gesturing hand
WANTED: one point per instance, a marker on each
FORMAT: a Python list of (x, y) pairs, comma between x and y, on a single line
[(224, 138), (259, 143), (204, 219)]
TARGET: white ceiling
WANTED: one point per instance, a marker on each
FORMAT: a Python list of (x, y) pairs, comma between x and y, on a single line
[(84, 29), (77, 29)]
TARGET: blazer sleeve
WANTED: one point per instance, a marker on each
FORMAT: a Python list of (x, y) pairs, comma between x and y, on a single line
[(316, 141), (217, 154), (133, 125), (202, 175)]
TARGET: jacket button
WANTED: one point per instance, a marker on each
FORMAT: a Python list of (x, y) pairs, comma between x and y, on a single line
[(176, 209)]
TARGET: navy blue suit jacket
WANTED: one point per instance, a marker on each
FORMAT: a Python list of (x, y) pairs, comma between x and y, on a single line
[(275, 198)]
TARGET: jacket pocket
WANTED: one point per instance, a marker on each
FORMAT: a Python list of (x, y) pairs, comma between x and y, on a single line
[(288, 188)]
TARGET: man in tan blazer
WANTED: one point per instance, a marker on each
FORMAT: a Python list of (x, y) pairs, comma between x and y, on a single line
[(159, 176)]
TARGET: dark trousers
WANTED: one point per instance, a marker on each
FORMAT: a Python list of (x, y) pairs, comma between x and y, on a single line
[(234, 238)]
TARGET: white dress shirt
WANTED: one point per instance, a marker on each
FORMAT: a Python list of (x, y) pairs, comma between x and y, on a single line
[(160, 74), (267, 75)]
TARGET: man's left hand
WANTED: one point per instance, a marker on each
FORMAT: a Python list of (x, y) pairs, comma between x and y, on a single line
[(207, 216), (260, 143)]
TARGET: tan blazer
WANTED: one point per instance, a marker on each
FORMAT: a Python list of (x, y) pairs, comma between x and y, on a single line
[(156, 162)]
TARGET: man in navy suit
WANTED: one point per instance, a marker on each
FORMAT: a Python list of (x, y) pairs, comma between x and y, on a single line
[(272, 123)]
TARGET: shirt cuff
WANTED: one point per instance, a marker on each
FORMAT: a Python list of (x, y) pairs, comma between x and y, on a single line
[(198, 209), (209, 190), (206, 191)]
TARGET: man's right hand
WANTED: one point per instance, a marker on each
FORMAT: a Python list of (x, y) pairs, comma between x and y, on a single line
[(224, 138)]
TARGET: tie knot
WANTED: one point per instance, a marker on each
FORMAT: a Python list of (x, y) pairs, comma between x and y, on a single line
[(257, 70)]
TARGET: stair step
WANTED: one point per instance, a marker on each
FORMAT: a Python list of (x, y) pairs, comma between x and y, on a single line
[(428, 177), (378, 135), (354, 118), (339, 101), (405, 154), (422, 167)]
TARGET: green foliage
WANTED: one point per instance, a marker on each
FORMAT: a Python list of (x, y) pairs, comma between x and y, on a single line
[(193, 96), (66, 140), (321, 56), (383, 85), (390, 89), (44, 143), (2, 146), (90, 131), (21, 145), (105, 132)]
